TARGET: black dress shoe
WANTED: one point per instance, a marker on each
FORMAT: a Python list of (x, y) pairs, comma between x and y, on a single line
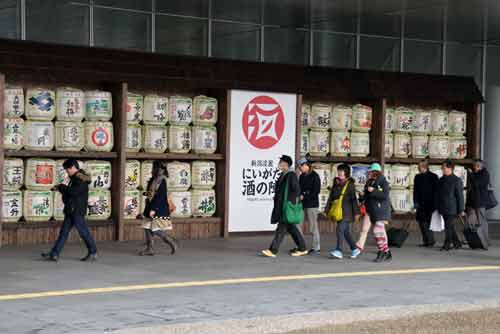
[(89, 258), (50, 257), (445, 248), (457, 245)]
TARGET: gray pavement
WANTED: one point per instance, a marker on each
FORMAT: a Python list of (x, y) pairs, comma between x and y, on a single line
[(23, 272)]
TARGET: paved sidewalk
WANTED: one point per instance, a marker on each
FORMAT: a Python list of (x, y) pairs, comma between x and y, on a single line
[(23, 272)]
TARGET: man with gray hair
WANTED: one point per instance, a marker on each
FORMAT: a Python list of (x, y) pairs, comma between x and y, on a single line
[(424, 188)]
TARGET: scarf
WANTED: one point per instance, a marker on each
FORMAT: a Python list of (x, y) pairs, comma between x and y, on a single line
[(155, 184)]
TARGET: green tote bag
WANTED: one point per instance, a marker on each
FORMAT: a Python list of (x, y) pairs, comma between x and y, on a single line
[(292, 213)]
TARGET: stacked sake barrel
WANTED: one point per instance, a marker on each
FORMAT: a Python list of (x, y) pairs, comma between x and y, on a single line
[(400, 178), (421, 133), (28, 189), (132, 205), (29, 121), (191, 124), (337, 130)]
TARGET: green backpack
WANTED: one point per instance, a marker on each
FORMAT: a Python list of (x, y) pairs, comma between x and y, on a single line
[(292, 213)]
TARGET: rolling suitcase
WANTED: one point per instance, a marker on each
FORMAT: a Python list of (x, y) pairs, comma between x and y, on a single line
[(471, 227), (397, 236)]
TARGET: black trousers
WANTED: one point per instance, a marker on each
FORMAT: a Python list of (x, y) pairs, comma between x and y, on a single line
[(427, 234), (281, 230), (451, 236)]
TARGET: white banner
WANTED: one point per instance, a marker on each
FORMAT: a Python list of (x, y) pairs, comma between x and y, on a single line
[(262, 129)]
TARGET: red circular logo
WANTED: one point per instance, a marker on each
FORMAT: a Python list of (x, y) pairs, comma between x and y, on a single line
[(263, 122), (100, 137)]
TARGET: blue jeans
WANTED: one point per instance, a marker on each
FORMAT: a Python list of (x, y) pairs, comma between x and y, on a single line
[(83, 231), (344, 233)]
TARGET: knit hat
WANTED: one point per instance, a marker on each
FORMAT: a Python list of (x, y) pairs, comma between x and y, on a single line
[(286, 159)]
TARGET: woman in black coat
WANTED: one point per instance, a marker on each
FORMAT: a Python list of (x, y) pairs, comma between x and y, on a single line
[(156, 210), (287, 177)]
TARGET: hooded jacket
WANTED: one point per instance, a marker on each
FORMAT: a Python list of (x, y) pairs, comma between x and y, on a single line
[(350, 207), (75, 195), (377, 202), (293, 194)]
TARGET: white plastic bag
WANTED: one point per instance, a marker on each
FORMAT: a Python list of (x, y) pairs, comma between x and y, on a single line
[(437, 222)]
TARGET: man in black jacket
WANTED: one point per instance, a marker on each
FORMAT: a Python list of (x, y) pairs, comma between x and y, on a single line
[(310, 186), (75, 198), (424, 190), (450, 203)]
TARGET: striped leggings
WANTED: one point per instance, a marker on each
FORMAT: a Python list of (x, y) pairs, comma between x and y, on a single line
[(378, 231)]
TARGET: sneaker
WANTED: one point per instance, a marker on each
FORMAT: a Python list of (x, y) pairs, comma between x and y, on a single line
[(50, 257), (89, 258), (355, 253), (268, 253), (383, 257), (293, 250), (336, 254), (314, 252), (299, 253)]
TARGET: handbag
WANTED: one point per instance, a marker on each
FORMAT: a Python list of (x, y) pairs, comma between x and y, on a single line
[(491, 200), (335, 213), (437, 222), (292, 213)]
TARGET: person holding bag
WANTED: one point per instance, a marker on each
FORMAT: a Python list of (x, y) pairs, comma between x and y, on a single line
[(287, 210), (342, 208), (157, 210)]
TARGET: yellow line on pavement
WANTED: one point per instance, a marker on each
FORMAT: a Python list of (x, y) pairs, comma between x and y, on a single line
[(128, 288)]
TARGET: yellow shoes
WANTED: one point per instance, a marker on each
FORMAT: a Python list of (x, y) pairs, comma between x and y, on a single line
[(268, 253), (299, 253)]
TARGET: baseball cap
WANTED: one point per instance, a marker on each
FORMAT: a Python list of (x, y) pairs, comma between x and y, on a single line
[(302, 162), (286, 159), (375, 167)]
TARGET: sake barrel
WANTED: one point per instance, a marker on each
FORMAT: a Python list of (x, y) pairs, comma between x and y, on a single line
[(439, 121), (204, 110), (39, 136), (325, 174), (389, 145), (419, 146), (62, 176), (323, 199), (99, 204), (40, 173), (132, 174), (155, 110), (388, 173), (390, 119), (132, 204), (436, 169), (70, 104), (100, 173), (134, 138), (461, 172), (361, 118), (319, 145), (402, 145), (458, 147), (98, 106), (360, 144), (13, 174), (182, 202), (423, 121), (306, 116), (401, 200), (12, 206), (204, 139), (203, 174), (203, 202), (40, 104), (13, 133), (180, 112), (38, 205), (179, 139), (155, 138), (320, 116), (360, 174), (405, 119), (14, 102), (340, 143), (304, 142), (341, 117), (457, 123), (58, 206), (413, 172), (70, 136), (439, 147), (146, 173), (179, 176), (98, 136), (135, 106), (400, 176)]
